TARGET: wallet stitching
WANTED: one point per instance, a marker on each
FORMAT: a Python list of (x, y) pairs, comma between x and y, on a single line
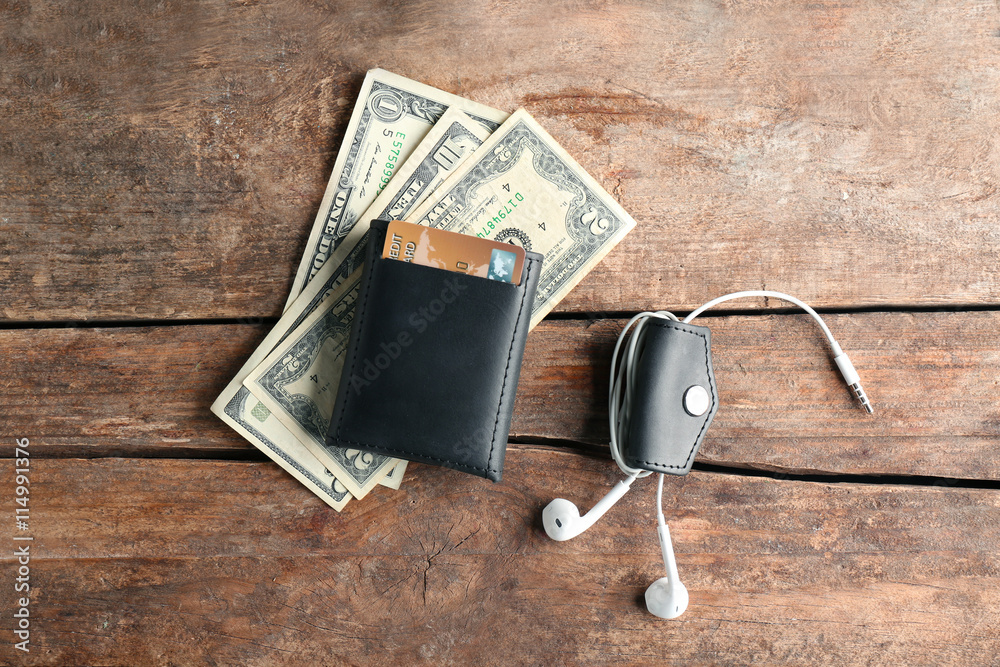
[(503, 387), (510, 353), (704, 423)]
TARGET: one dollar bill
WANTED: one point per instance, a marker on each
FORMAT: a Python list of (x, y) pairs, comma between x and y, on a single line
[(452, 141), (390, 118)]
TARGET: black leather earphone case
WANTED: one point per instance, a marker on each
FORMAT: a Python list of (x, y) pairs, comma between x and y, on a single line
[(664, 435), (433, 362)]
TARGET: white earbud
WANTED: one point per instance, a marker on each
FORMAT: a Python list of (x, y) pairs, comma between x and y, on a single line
[(667, 597), (562, 520)]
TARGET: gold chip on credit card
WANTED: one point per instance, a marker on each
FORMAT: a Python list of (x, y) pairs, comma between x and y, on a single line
[(451, 251)]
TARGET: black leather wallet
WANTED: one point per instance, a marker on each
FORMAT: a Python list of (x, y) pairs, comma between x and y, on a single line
[(433, 362)]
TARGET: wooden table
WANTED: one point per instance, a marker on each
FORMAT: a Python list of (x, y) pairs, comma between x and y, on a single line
[(160, 167)]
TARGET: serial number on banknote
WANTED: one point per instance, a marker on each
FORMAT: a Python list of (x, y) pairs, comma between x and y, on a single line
[(392, 160), (501, 214)]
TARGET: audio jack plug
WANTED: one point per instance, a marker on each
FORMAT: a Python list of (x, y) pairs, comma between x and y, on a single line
[(843, 363), (852, 378)]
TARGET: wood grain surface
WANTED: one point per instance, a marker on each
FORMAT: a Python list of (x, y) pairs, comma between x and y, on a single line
[(167, 160), (934, 379), (161, 165), (180, 562)]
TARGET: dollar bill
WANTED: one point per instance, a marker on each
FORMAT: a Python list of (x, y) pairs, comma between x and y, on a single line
[(390, 118), (522, 187), (298, 383), (254, 421), (452, 141), (251, 419), (395, 477)]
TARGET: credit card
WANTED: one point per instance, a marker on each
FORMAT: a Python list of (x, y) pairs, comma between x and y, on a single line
[(461, 253)]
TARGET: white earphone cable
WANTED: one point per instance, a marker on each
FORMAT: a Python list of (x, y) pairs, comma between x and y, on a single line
[(768, 294), (622, 381), (667, 597), (839, 357)]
